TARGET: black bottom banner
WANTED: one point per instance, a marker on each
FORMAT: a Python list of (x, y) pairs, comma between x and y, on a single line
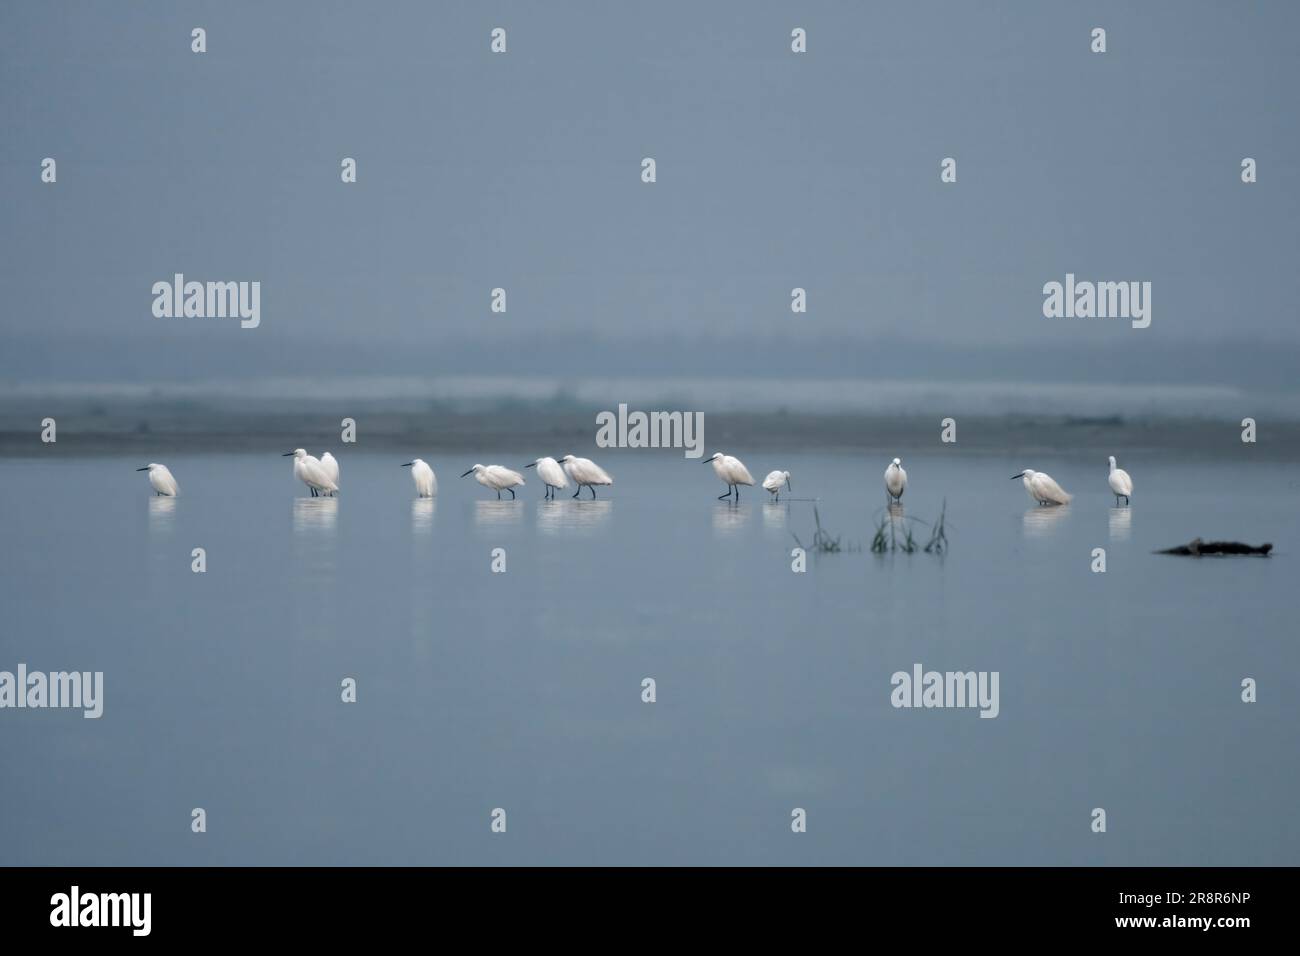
[(334, 905)]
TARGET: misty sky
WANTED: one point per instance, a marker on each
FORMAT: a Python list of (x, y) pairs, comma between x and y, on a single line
[(523, 171)]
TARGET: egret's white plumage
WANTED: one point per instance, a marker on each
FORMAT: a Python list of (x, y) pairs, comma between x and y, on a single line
[(497, 477), (1043, 489), (426, 482), (1120, 482), (895, 479), (774, 481), (161, 480), (552, 475), (307, 469), (330, 466), (585, 473), (732, 471)]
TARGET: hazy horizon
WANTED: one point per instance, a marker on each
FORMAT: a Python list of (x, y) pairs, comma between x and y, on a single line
[(522, 171)]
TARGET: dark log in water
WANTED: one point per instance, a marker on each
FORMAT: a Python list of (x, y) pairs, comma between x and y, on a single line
[(1197, 547)]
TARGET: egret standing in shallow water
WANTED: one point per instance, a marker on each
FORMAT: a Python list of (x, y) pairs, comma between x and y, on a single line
[(426, 482), (774, 481), (1042, 488), (732, 471), (895, 479), (497, 477), (1120, 482), (161, 480), (308, 470), (331, 468), (585, 473), (549, 470)]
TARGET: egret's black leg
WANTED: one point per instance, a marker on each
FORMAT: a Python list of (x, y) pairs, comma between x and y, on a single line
[(498, 495), (578, 492), (512, 493)]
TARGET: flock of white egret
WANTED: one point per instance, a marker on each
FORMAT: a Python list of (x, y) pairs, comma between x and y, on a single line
[(1043, 489), (321, 476)]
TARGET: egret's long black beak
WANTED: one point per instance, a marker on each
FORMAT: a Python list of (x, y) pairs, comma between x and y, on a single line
[(145, 468), (470, 472), (707, 460), (530, 464), (788, 486), (287, 454), (408, 464), (1021, 475)]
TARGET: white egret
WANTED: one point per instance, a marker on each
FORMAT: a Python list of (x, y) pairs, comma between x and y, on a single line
[(497, 477), (732, 471), (774, 481), (308, 470), (331, 467), (895, 479), (1120, 482), (426, 482), (549, 470), (161, 480), (1041, 487), (585, 472)]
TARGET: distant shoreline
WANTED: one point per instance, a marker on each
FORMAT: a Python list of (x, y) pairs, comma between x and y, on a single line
[(120, 428)]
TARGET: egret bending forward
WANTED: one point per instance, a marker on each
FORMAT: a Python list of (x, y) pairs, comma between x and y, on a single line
[(1120, 482), (732, 471), (774, 481), (307, 469), (895, 479), (1042, 488), (161, 480), (549, 470), (585, 472), (497, 477), (426, 482)]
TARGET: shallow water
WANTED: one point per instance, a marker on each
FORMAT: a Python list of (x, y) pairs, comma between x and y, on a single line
[(522, 690)]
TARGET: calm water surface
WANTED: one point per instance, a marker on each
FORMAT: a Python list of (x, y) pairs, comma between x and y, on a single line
[(522, 690)]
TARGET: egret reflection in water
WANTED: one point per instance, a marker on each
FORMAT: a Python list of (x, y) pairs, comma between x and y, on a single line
[(162, 514), (422, 511), (729, 517), (489, 513), (315, 515), (1121, 523), (578, 517), (1041, 521)]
